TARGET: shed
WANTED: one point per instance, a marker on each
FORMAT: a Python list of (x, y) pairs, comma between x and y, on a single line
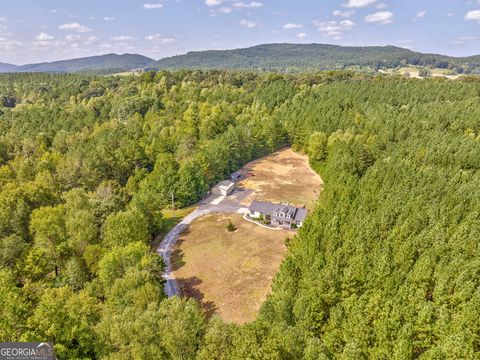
[(224, 188)]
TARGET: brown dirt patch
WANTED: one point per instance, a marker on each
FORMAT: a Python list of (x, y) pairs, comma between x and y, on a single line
[(284, 176)]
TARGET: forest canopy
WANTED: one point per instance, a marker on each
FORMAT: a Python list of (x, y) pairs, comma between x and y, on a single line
[(386, 267)]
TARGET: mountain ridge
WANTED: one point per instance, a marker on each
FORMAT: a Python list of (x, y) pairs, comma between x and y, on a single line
[(287, 56), (282, 57), (106, 62)]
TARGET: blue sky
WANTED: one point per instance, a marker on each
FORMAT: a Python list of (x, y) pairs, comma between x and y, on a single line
[(46, 30)]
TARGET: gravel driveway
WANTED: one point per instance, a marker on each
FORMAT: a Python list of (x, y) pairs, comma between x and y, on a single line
[(211, 205)]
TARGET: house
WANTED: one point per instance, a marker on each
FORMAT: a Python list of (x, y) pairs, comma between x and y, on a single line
[(223, 188), (278, 214)]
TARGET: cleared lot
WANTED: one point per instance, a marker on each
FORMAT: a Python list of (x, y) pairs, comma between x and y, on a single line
[(284, 176), (230, 273)]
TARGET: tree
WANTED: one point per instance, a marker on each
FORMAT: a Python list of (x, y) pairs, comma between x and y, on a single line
[(317, 147), (192, 183), (126, 227), (185, 323), (230, 226), (217, 341), (15, 308), (424, 73), (11, 248), (47, 226), (67, 319)]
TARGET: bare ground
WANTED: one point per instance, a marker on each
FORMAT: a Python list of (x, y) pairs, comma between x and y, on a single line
[(284, 176)]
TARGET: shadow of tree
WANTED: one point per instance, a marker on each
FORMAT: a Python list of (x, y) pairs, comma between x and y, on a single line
[(177, 256), (189, 288)]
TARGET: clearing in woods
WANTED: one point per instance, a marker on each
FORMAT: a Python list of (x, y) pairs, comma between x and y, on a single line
[(284, 176), (231, 273)]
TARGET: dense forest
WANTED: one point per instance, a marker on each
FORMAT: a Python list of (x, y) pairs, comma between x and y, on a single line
[(386, 267)]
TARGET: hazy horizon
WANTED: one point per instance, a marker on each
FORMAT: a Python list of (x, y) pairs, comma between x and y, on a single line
[(54, 30)]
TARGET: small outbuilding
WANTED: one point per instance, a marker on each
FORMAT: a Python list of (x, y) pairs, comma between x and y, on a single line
[(236, 176), (223, 188)]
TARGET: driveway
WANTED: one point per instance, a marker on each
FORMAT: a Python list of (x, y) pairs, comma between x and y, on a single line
[(213, 204)]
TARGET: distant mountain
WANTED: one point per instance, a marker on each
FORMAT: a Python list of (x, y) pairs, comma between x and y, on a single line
[(103, 63), (269, 57), (7, 67), (296, 57)]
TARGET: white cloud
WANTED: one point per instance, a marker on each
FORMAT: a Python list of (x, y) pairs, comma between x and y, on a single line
[(473, 15), (292, 26), (249, 24), (359, 3), (90, 40), (108, 18), (381, 6), (222, 10), (150, 6), (301, 35), (75, 27), (213, 2), (450, 14), (340, 13), (347, 23), (333, 29), (121, 38), (44, 37), (159, 39), (71, 37), (253, 4), (421, 14), (380, 17), (9, 44)]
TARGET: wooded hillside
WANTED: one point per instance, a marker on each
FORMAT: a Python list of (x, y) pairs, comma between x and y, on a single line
[(314, 57)]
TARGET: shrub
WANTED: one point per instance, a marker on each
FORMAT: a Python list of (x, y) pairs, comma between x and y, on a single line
[(230, 226)]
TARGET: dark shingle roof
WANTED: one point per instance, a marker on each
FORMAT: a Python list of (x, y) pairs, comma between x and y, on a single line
[(297, 214), (263, 207)]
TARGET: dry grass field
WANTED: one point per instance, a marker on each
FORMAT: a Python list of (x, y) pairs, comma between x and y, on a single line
[(415, 70), (284, 176), (230, 273)]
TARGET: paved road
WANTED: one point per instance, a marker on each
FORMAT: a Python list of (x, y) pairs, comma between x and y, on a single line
[(212, 204)]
